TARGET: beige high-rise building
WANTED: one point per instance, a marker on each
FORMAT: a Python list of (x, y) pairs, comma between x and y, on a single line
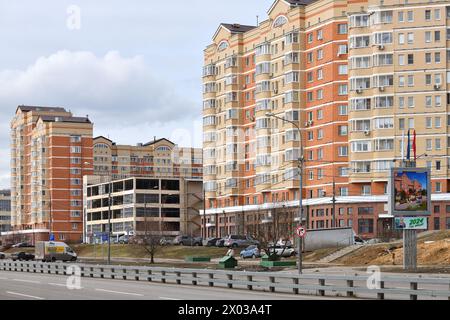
[(354, 76), (51, 150), (158, 158)]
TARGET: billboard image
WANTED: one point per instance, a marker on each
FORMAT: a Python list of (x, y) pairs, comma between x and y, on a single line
[(410, 191)]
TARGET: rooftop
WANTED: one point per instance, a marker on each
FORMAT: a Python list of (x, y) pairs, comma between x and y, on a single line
[(65, 119), (39, 108)]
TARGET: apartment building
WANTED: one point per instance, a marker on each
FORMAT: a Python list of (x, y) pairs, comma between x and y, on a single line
[(164, 207), (157, 158), (51, 150), (354, 76), (5, 211)]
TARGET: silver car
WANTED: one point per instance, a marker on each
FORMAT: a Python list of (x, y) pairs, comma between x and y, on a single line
[(234, 241)]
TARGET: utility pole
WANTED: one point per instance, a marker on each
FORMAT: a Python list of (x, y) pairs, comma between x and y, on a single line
[(205, 235), (333, 223), (109, 222), (301, 161)]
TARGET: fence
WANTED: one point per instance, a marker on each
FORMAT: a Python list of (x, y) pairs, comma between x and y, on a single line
[(388, 287)]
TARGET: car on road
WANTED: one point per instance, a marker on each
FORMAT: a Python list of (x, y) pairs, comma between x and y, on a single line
[(250, 252), (2, 256), (210, 242), (22, 256), (283, 251), (188, 241), (234, 241), (358, 240)]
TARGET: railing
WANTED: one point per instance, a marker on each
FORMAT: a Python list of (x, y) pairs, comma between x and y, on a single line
[(356, 285)]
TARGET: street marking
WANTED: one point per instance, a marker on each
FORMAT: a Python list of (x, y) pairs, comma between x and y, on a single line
[(24, 295), (165, 298), (28, 281), (119, 292)]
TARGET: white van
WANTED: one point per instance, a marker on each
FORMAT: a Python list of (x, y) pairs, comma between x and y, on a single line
[(51, 251)]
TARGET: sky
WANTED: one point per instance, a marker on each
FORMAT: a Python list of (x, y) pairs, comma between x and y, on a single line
[(134, 67)]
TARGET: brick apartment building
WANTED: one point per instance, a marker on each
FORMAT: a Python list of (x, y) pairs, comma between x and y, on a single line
[(355, 76), (51, 150), (173, 202)]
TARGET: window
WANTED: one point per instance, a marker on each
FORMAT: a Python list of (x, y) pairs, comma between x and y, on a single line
[(320, 34), (437, 57), (343, 130), (428, 36), (410, 16), (437, 36), (342, 28), (427, 15), (437, 14), (342, 49), (401, 59), (365, 226), (410, 38), (344, 191), (343, 89), (401, 16), (401, 38), (342, 110), (343, 151), (343, 69), (410, 59), (319, 54), (366, 190)]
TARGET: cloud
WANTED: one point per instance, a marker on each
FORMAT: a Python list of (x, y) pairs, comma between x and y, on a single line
[(111, 89), (116, 92)]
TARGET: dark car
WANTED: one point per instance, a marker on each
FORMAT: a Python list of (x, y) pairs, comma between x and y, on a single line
[(2, 256), (210, 242), (22, 256)]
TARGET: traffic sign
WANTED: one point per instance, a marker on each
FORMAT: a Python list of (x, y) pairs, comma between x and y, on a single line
[(301, 231)]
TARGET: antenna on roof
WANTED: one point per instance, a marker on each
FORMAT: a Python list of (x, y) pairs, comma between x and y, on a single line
[(257, 21)]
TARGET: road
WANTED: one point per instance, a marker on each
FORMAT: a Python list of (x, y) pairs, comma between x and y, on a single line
[(26, 286)]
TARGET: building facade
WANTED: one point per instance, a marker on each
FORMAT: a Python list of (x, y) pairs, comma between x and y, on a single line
[(5, 211), (51, 151), (355, 76), (158, 158), (165, 207)]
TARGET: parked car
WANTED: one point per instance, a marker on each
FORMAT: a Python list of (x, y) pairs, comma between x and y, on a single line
[(166, 241), (220, 243), (234, 241), (22, 256), (125, 239), (22, 245), (250, 252), (210, 242), (2, 256), (188, 241), (283, 251), (358, 240)]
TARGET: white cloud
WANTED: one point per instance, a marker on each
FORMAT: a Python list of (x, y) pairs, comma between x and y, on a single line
[(116, 92)]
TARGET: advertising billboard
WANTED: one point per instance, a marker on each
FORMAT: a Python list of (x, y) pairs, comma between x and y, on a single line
[(410, 192), (411, 223)]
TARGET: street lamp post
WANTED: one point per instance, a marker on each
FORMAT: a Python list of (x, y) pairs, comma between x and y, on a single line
[(301, 161)]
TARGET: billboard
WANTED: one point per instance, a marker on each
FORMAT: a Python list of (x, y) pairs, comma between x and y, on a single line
[(410, 192), (411, 223)]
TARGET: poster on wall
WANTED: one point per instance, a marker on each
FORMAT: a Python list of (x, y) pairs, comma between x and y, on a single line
[(410, 192)]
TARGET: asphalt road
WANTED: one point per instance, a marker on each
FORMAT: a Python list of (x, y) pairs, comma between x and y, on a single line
[(25, 286)]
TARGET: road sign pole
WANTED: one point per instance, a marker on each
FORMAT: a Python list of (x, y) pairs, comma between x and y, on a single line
[(409, 250)]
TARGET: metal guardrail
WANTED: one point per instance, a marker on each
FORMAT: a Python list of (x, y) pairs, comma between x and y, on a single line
[(317, 284)]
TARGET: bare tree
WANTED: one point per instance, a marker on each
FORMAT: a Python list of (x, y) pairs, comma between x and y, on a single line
[(271, 229)]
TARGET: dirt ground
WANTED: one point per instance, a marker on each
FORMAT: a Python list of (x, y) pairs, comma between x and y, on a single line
[(433, 250)]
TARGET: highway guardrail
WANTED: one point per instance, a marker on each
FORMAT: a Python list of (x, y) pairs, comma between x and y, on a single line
[(354, 285)]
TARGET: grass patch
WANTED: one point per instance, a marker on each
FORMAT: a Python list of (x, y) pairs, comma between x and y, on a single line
[(137, 251)]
